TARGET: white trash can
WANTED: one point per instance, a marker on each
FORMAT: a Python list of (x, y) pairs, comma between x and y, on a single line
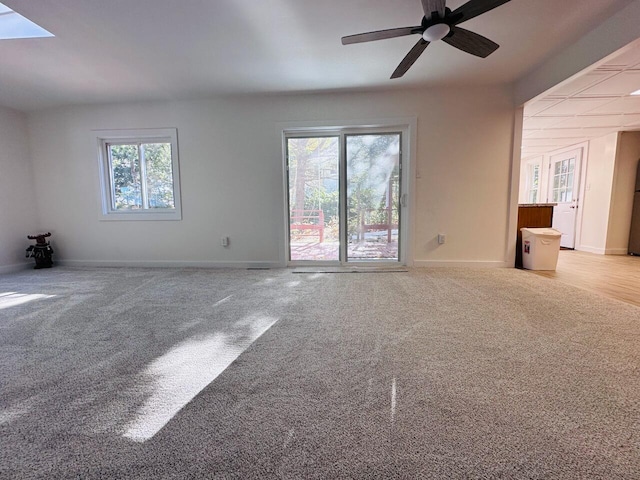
[(540, 247)]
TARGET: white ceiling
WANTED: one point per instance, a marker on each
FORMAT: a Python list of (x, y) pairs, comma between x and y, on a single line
[(135, 50), (592, 104)]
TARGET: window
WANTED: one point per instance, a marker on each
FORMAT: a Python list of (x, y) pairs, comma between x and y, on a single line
[(533, 182), (13, 25), (139, 174)]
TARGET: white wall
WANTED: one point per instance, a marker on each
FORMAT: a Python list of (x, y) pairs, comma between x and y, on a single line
[(18, 216), (608, 197), (231, 175), (596, 202), (624, 180)]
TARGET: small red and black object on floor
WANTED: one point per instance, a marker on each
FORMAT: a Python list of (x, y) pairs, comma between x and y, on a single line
[(41, 251)]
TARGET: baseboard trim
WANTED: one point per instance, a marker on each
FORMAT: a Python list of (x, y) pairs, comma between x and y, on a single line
[(616, 251), (191, 264), (600, 251), (15, 268), (165, 264), (463, 264)]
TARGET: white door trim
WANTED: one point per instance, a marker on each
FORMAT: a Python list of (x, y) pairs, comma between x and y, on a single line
[(408, 126)]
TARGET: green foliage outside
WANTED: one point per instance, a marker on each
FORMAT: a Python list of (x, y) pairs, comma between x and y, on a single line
[(127, 177), (313, 178), (372, 167), (372, 172)]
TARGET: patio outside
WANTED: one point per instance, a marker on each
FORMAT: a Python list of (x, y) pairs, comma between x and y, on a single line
[(308, 249)]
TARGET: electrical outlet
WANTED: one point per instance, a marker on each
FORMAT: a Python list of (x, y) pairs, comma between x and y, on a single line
[(224, 241), (442, 238)]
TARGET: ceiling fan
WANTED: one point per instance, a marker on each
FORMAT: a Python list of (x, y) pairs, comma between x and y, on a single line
[(438, 23)]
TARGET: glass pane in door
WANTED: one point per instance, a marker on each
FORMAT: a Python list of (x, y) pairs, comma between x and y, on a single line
[(373, 196), (314, 226), (563, 180)]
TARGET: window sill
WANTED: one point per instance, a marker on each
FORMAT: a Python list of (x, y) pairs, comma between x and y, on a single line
[(142, 216)]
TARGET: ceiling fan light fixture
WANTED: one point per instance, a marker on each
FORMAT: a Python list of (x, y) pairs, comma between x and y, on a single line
[(436, 32)]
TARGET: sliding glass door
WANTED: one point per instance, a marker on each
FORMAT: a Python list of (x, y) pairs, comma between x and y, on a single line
[(373, 196), (344, 197), (314, 199)]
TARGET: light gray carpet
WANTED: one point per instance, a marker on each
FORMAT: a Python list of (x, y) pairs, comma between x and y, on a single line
[(445, 373)]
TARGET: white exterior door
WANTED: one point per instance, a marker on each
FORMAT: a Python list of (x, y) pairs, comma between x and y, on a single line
[(564, 182)]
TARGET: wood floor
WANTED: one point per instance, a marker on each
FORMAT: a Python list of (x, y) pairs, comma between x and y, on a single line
[(615, 276)]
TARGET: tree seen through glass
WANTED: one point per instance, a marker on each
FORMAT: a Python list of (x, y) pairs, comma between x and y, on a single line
[(142, 176)]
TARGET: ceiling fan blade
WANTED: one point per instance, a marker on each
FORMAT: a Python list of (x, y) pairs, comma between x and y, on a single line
[(410, 59), (380, 35), (430, 6), (470, 42), (473, 8)]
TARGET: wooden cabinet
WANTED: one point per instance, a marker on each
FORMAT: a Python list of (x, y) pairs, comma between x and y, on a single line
[(535, 215)]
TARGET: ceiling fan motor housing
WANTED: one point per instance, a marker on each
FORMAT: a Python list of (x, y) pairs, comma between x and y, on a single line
[(436, 27), (436, 32)]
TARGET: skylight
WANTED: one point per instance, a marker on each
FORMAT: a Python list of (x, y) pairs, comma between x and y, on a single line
[(13, 25)]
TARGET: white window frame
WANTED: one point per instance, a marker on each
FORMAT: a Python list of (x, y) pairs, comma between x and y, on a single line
[(151, 135), (531, 165)]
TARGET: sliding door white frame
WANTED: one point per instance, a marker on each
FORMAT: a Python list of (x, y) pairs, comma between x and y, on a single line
[(406, 126)]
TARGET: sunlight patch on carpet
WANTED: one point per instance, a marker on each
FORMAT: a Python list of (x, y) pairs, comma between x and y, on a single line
[(394, 392), (9, 414), (185, 370), (13, 299)]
